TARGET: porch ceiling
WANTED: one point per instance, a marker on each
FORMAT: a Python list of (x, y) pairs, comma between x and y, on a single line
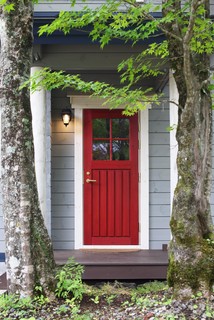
[(94, 63)]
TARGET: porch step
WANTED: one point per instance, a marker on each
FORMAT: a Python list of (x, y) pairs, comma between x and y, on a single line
[(118, 265), (114, 264)]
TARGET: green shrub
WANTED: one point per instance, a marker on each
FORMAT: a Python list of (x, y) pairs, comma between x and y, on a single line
[(69, 281)]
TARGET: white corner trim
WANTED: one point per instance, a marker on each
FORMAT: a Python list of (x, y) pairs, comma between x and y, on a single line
[(78, 177), (78, 104), (144, 178), (40, 109), (173, 96), (48, 162)]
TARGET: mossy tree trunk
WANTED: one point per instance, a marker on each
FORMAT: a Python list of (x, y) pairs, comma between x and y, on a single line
[(29, 254), (191, 252)]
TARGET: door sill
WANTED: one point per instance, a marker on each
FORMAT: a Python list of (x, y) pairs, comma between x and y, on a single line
[(111, 248)]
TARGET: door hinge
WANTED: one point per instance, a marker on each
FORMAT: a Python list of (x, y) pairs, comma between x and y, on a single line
[(139, 177), (138, 226)]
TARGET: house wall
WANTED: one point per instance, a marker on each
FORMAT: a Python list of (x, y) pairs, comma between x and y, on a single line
[(62, 182), (59, 5), (63, 176), (159, 175)]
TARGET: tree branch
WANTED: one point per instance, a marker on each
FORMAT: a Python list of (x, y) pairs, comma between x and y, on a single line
[(194, 6), (151, 18), (186, 45)]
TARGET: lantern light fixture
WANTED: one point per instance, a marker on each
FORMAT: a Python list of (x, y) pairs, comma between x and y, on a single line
[(66, 116)]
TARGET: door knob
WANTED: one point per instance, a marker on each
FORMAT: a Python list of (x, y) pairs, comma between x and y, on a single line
[(89, 180)]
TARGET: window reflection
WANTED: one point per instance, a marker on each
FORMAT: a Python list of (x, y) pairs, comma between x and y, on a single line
[(120, 128), (101, 128), (120, 150), (110, 139), (101, 150)]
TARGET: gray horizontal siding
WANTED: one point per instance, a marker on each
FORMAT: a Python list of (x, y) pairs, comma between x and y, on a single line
[(62, 151), (158, 234), (159, 210), (63, 174), (161, 163), (64, 210), (60, 5), (159, 198), (65, 163), (63, 138), (63, 235), (63, 198), (159, 176), (62, 177), (63, 224), (159, 186), (159, 151), (62, 186)]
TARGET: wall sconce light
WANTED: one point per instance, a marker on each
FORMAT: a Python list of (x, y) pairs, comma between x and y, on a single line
[(67, 116)]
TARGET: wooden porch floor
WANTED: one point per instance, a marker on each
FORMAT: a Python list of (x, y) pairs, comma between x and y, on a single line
[(113, 264)]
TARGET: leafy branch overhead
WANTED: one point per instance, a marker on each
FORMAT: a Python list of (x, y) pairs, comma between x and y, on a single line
[(136, 23), (6, 5), (131, 100)]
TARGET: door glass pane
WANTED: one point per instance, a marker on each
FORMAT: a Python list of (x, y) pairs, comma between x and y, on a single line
[(101, 128), (120, 128), (120, 150), (101, 150)]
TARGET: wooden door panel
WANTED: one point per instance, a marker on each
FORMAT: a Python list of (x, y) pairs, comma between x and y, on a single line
[(110, 204)]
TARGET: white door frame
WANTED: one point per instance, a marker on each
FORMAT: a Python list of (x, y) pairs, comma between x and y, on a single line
[(84, 102)]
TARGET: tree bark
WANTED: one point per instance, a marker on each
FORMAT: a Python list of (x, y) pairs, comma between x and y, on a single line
[(29, 254), (191, 251)]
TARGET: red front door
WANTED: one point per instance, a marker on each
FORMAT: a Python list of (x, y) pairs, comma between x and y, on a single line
[(110, 178)]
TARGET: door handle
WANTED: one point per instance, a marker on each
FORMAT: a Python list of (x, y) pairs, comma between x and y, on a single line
[(89, 180)]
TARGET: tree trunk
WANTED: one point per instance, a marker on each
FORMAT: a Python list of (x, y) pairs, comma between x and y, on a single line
[(29, 254), (191, 265), (191, 252)]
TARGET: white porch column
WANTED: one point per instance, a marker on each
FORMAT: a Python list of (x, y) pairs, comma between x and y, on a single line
[(173, 97), (40, 108)]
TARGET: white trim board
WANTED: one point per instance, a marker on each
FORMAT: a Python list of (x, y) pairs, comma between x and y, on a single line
[(173, 95), (78, 104)]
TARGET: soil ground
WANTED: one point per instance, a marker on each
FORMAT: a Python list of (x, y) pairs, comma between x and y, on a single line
[(115, 301)]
